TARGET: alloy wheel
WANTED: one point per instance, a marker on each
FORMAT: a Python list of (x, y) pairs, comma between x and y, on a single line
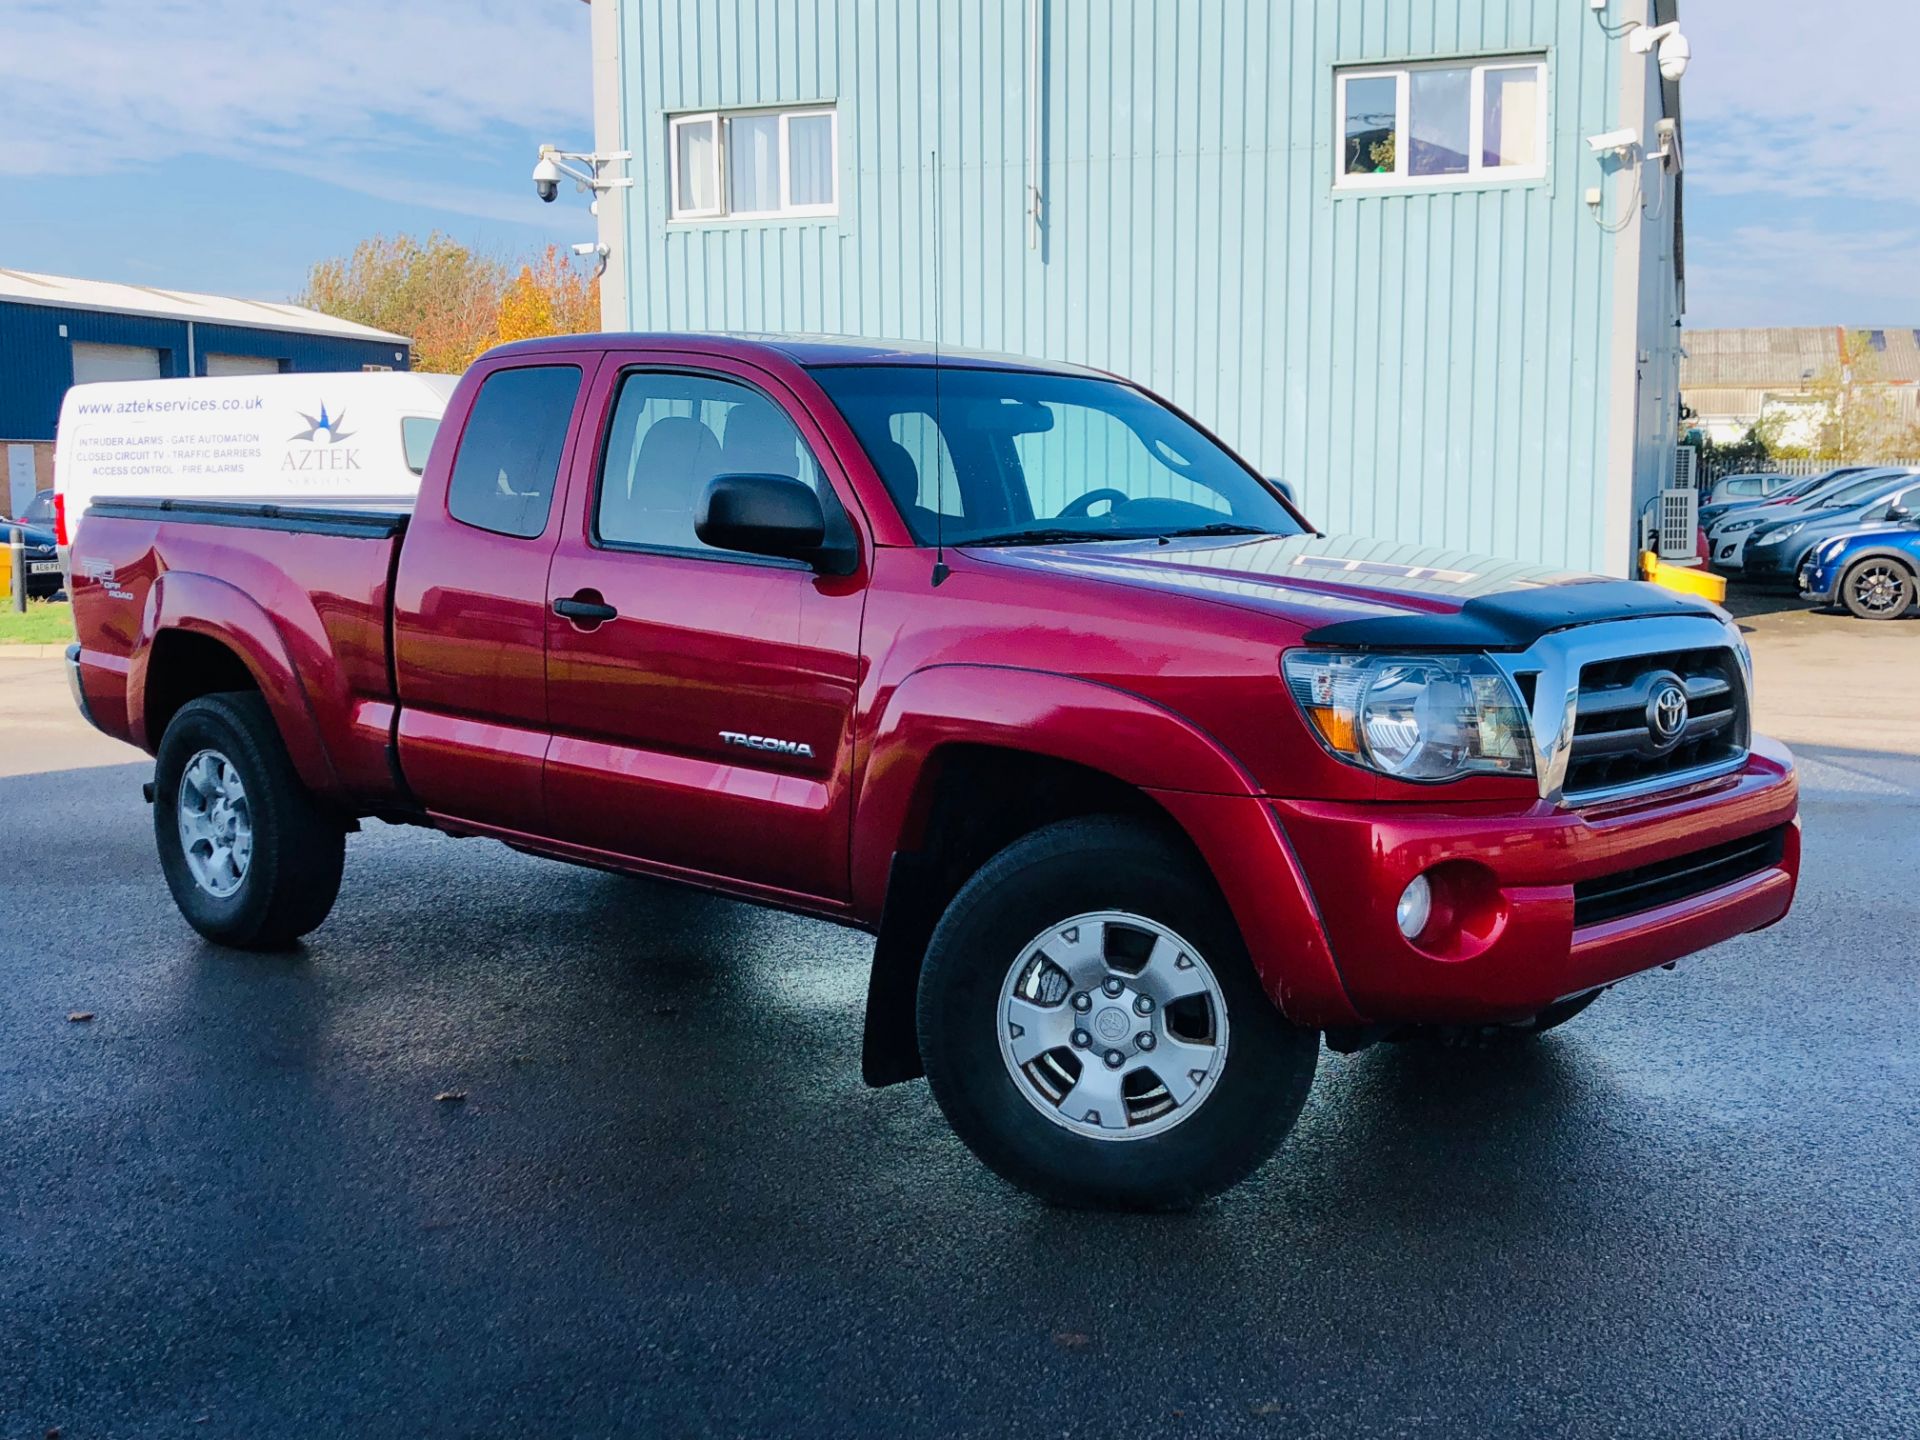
[(216, 823), (1113, 1026)]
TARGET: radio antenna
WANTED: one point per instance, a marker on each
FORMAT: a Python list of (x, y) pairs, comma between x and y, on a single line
[(940, 570)]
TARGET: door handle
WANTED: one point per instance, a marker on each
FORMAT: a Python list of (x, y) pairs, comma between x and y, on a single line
[(584, 611)]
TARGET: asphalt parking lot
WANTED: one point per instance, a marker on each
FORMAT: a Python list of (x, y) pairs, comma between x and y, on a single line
[(230, 1203)]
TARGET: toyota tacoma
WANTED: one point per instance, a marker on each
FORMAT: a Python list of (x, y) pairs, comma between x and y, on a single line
[(1143, 785)]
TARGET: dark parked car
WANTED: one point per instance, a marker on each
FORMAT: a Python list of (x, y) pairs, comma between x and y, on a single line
[(1775, 554), (42, 560)]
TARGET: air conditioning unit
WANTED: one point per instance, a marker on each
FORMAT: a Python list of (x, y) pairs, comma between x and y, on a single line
[(1677, 518), (1686, 467)]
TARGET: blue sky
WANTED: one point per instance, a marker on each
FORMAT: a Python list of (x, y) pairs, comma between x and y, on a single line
[(226, 145)]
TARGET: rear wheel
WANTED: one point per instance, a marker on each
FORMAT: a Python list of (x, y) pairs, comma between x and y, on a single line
[(1877, 588), (1093, 1029), (251, 860)]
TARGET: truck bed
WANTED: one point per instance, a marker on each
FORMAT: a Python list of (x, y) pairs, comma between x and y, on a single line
[(308, 586)]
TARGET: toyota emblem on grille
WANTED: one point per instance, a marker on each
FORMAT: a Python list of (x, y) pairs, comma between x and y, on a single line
[(1667, 712)]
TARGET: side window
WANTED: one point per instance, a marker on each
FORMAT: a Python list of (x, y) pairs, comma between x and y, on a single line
[(416, 440), (503, 477), (671, 434)]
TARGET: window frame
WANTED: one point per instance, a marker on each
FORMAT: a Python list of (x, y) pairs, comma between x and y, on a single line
[(720, 120), (675, 125), (1478, 174), (711, 553)]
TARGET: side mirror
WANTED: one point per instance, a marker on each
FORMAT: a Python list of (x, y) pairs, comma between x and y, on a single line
[(770, 515), (1286, 490), (1899, 514)]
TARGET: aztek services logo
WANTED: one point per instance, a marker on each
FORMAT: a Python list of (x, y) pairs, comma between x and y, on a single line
[(323, 435)]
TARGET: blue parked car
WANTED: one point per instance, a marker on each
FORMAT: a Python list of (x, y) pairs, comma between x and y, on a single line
[(1773, 553), (1874, 571)]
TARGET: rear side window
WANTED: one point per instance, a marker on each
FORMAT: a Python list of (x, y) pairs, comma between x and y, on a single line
[(509, 458)]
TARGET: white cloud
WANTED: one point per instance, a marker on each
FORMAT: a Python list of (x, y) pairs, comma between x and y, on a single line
[(363, 93), (1803, 101), (1803, 184)]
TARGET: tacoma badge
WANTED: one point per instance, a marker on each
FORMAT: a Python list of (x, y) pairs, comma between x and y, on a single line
[(767, 742)]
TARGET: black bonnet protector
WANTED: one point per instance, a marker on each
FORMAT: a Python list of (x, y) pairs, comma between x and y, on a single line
[(1512, 619)]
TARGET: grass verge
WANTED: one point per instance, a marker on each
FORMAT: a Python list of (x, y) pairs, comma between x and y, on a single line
[(45, 623)]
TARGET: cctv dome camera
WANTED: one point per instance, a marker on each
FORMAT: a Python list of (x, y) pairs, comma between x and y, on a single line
[(546, 179), (1675, 52)]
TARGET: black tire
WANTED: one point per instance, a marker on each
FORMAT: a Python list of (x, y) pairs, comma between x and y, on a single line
[(1482, 1037), (1073, 868), (1898, 581), (293, 874)]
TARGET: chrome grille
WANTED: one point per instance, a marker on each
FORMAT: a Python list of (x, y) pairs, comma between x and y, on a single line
[(1631, 734)]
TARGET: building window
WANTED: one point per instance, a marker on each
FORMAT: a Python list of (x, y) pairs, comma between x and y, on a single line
[(1451, 122), (754, 164)]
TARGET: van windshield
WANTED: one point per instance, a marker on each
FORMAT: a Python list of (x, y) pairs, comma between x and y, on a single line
[(416, 438), (1013, 457)]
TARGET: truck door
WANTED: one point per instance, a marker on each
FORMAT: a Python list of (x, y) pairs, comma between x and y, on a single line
[(470, 599), (701, 699)]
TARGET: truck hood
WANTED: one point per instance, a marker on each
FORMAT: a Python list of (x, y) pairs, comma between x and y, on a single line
[(1354, 590)]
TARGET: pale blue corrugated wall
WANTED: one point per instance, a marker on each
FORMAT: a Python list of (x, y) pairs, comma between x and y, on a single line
[(1427, 367)]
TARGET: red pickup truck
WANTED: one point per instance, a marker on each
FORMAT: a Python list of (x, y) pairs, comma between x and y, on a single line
[(1142, 784)]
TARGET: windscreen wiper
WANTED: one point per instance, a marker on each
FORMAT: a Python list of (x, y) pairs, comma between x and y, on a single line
[(1046, 537), (1222, 527)]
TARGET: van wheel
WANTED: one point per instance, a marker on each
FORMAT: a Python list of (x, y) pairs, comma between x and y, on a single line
[(1877, 588), (251, 860), (1093, 1029)]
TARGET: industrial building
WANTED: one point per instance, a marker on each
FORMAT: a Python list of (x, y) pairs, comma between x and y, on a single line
[(1796, 376), (56, 332), (1421, 261)]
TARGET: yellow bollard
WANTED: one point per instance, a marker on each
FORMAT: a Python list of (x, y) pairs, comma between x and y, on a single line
[(1687, 579)]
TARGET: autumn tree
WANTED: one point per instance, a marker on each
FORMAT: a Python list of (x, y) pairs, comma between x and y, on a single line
[(1858, 416), (453, 301), (547, 297)]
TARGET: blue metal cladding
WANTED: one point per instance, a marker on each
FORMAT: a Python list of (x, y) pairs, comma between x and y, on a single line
[(1428, 366), (36, 360)]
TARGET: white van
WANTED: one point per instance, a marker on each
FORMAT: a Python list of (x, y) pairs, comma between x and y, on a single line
[(349, 439)]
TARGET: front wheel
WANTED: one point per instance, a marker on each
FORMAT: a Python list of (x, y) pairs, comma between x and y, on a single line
[(1093, 1029), (251, 860), (1877, 588)]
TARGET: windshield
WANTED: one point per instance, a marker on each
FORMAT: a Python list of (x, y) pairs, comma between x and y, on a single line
[(1859, 492), (1016, 457), (39, 510)]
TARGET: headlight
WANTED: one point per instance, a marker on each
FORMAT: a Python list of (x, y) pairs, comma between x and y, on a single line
[(1785, 532), (1734, 527), (1414, 717)]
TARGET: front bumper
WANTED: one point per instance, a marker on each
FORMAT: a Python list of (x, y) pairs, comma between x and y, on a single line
[(1815, 585), (1775, 564), (1506, 940)]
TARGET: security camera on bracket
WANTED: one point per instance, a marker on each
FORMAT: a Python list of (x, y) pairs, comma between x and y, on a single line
[(1675, 51), (1620, 143)]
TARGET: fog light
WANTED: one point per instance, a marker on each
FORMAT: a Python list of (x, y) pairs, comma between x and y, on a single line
[(1415, 907)]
